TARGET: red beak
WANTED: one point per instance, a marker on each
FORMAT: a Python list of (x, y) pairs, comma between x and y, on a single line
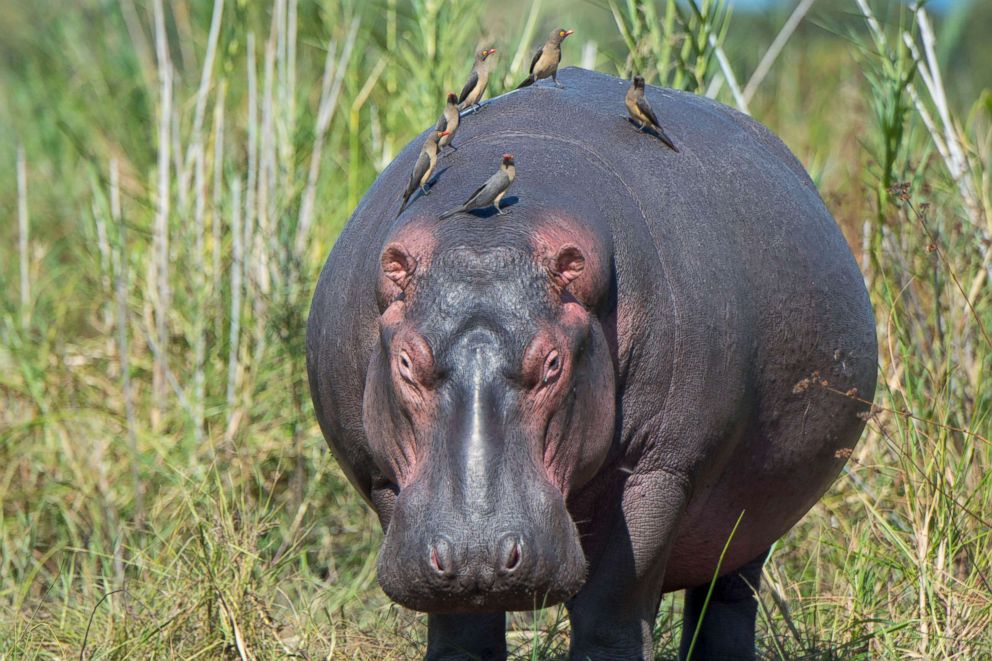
[(492, 51), (568, 32)]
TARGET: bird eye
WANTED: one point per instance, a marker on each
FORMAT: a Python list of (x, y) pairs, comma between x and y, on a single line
[(406, 367), (561, 33)]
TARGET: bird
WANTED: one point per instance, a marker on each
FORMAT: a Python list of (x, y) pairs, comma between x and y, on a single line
[(491, 192), (449, 122), (640, 111), (546, 60), (478, 80), (424, 167)]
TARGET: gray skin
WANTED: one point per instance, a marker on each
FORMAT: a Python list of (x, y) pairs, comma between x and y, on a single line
[(578, 402)]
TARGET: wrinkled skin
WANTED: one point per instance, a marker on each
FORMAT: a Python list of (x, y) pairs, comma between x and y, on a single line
[(575, 402)]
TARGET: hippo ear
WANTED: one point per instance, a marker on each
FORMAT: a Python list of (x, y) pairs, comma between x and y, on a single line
[(398, 264), (566, 265)]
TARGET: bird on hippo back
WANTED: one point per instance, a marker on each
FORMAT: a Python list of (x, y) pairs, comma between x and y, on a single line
[(577, 402)]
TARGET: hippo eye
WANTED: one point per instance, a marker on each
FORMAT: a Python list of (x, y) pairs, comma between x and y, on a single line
[(406, 367), (552, 366)]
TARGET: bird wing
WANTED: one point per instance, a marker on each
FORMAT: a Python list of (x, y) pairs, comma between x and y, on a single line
[(537, 56), (642, 105), (419, 170), (473, 199), (473, 80), (442, 123)]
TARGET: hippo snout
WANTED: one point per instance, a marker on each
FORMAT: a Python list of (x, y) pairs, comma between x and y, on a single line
[(479, 565)]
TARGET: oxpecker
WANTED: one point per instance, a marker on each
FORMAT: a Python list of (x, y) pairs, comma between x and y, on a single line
[(546, 60), (491, 192), (640, 111), (478, 80), (449, 122), (424, 167)]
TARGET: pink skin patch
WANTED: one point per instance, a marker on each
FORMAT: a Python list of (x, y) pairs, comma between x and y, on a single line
[(409, 250), (555, 230), (402, 379)]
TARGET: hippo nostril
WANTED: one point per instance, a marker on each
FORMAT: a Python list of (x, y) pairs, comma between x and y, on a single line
[(510, 553), (442, 560)]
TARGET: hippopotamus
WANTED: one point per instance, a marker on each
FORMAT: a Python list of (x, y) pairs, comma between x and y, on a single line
[(632, 383)]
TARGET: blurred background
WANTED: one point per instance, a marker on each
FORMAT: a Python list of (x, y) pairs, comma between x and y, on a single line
[(172, 176)]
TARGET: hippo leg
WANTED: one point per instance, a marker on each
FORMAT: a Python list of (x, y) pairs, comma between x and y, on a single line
[(613, 614), (727, 628), (480, 637)]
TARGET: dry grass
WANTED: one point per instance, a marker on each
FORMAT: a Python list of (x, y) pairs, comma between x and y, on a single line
[(185, 167)]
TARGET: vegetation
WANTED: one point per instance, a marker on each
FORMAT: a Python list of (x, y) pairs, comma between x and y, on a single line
[(174, 174)]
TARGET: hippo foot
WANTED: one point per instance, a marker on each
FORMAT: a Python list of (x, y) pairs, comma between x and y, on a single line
[(615, 644)]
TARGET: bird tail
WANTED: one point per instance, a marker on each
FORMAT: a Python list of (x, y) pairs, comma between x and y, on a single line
[(527, 83), (405, 198), (668, 141), (450, 213)]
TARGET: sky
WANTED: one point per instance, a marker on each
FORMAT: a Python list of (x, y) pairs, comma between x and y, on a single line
[(756, 5)]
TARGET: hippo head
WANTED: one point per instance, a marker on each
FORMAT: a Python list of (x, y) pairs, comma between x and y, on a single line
[(489, 398)]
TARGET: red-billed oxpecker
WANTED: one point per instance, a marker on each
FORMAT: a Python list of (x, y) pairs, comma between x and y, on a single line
[(642, 113), (478, 80), (491, 192), (449, 121), (546, 60), (424, 167)]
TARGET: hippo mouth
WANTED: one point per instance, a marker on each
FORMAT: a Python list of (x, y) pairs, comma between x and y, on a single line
[(433, 560)]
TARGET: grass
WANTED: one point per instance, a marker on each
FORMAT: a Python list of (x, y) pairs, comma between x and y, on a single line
[(175, 175)]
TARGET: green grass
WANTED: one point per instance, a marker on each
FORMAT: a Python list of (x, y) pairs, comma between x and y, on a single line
[(164, 489)]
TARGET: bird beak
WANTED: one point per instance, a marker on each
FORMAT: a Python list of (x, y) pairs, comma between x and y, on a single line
[(569, 32), (444, 133), (492, 51)]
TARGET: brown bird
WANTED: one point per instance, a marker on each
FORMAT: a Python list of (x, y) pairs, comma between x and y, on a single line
[(546, 60), (449, 122), (640, 111), (491, 192), (478, 80), (424, 167)]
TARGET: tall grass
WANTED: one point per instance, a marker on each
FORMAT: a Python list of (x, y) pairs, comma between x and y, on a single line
[(185, 168)]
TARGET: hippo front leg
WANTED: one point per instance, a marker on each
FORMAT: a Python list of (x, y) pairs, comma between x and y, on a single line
[(613, 614), (480, 637)]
